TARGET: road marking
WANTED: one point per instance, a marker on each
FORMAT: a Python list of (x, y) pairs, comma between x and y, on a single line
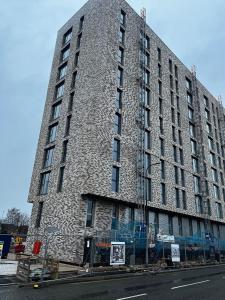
[(180, 286), (136, 296)]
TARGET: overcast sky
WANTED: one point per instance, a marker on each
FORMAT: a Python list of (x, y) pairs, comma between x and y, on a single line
[(194, 30)]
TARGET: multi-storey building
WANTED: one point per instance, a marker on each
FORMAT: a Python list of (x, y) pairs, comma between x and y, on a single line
[(125, 123)]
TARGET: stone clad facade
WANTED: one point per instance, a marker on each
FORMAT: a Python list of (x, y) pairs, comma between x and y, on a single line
[(86, 130)]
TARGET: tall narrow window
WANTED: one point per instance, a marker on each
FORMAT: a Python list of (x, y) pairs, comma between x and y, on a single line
[(159, 71), (44, 183), (81, 23), (180, 226), (160, 87), (176, 71), (147, 118), (68, 122), (161, 125), (79, 40), (56, 109), (175, 153), (189, 98), (196, 184), (76, 61), (181, 157), (182, 177), (159, 54), (147, 163), (90, 213), (162, 169), (119, 99), (163, 193), (147, 97), (121, 36), (70, 105), (74, 78), (52, 133), (120, 77), (170, 224), (122, 17), (115, 217), (64, 151), (60, 90), (67, 36), (147, 140), (170, 66), (176, 176), (147, 77), (117, 123), (48, 157), (219, 212), (39, 214), (116, 150), (161, 146), (174, 133), (115, 179), (120, 55), (184, 200), (60, 180), (198, 204), (190, 227), (188, 84), (62, 71), (65, 53), (148, 189)]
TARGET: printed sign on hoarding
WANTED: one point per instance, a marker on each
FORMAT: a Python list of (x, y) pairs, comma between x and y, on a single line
[(117, 253), (175, 252)]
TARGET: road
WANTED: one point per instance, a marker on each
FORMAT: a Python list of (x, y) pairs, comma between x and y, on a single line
[(205, 284)]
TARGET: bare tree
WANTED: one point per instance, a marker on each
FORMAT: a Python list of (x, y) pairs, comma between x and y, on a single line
[(16, 217)]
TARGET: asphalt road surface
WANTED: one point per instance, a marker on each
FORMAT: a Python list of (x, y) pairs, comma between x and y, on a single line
[(204, 284)]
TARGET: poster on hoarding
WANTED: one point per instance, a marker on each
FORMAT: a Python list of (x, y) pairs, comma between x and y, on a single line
[(117, 253), (175, 252), (1, 248)]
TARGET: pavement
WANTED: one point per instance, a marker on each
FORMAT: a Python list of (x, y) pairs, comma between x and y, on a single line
[(204, 283)]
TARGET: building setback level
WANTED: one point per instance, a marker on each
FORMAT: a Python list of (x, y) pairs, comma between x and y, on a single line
[(125, 124)]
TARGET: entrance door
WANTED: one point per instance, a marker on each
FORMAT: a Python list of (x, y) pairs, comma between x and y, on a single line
[(87, 250)]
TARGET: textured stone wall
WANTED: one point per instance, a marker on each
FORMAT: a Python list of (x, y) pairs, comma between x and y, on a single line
[(88, 166)]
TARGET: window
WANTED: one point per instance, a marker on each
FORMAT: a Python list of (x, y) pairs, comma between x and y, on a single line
[(160, 106), (177, 87), (176, 177), (44, 183), (115, 179), (90, 213), (173, 115), (147, 59), (161, 146), (221, 178), (116, 150), (188, 84), (206, 101), (176, 71), (161, 125), (62, 71), (39, 214), (148, 189), (65, 53), (214, 174), (207, 115), (79, 40), (178, 102), (56, 109), (175, 153), (163, 193), (120, 77), (67, 36), (147, 140), (180, 226), (184, 200), (174, 133), (147, 118), (159, 54), (147, 97), (182, 177), (147, 77), (147, 42), (76, 61), (160, 87), (224, 195), (170, 224), (192, 130), (180, 138), (52, 133), (118, 99), (117, 123), (74, 78), (219, 212), (199, 233), (209, 207), (64, 151), (48, 157), (209, 128), (178, 119), (171, 81), (120, 55), (198, 205), (177, 195), (147, 163), (194, 164), (193, 147), (181, 157), (115, 217), (122, 17), (171, 98), (81, 23), (189, 98), (196, 184), (190, 113), (162, 169), (60, 90), (170, 66), (68, 122), (70, 105), (121, 36), (216, 191), (60, 180), (159, 71), (210, 143)]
